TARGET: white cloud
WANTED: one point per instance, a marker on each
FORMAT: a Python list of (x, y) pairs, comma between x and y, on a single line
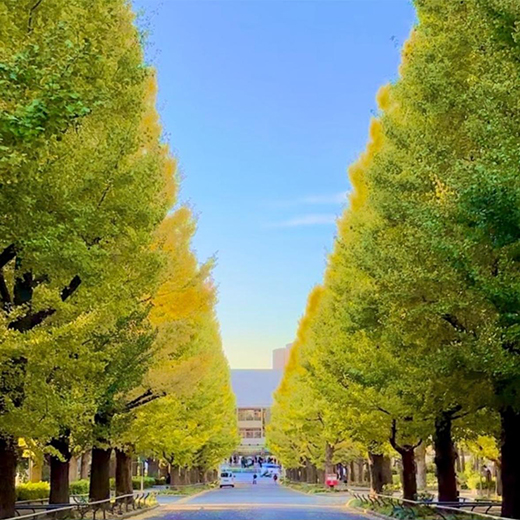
[(309, 220)]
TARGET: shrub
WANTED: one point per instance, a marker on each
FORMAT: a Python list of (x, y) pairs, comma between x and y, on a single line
[(473, 480), (148, 482), (79, 487), (33, 491), (431, 480), (160, 481)]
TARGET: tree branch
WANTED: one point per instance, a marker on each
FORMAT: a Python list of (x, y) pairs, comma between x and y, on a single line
[(4, 291), (135, 402), (144, 401), (31, 13), (7, 255), (393, 438), (406, 448), (454, 322), (30, 320), (33, 319), (104, 194), (382, 410), (71, 288)]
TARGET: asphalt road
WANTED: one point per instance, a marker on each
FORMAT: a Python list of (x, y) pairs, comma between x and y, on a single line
[(264, 501)]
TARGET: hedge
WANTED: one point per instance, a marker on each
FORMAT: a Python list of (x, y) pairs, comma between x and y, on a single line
[(33, 491), (148, 482), (79, 487), (39, 490)]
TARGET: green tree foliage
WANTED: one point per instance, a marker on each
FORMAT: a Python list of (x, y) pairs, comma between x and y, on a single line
[(182, 410), (306, 430), (105, 308), (419, 315)]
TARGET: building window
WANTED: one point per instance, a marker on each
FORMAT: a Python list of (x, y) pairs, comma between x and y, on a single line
[(249, 414), (251, 433)]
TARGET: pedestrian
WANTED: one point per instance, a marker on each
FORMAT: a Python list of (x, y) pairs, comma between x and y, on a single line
[(254, 478)]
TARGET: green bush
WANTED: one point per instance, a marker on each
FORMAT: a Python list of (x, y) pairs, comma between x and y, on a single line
[(160, 481), (388, 489), (136, 483), (33, 491), (431, 480), (473, 480), (79, 487), (148, 482)]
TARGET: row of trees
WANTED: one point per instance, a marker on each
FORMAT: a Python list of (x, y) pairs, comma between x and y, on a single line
[(413, 337), (108, 337)]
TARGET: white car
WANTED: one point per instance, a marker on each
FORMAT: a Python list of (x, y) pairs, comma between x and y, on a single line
[(227, 478)]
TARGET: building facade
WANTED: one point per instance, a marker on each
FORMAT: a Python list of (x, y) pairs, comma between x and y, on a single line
[(281, 357), (254, 394)]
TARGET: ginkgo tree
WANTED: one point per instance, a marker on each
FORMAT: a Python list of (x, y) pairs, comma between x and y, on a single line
[(421, 288), (84, 189), (186, 378), (305, 430)]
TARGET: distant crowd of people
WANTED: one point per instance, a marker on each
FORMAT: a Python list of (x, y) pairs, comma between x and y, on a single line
[(248, 462)]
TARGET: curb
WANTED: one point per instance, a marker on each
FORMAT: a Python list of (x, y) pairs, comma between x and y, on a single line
[(369, 513), (138, 512)]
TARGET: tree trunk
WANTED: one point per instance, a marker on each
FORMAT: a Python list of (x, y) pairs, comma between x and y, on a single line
[(182, 476), (352, 474), (312, 473), (387, 470), (123, 473), (84, 471), (73, 469), (510, 455), (175, 476), (420, 461), (35, 469), (59, 481), (376, 472), (8, 460), (409, 474), (99, 474), (329, 455), (458, 467), (60, 472), (445, 458), (498, 473)]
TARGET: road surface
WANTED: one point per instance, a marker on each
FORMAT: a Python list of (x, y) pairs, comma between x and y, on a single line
[(264, 501)]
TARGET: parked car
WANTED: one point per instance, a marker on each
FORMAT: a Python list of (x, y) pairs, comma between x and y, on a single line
[(227, 478)]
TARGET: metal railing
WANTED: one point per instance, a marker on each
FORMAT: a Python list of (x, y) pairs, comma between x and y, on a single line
[(114, 506), (411, 509)]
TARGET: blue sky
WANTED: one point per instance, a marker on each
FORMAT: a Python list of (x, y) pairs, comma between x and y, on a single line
[(265, 104)]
